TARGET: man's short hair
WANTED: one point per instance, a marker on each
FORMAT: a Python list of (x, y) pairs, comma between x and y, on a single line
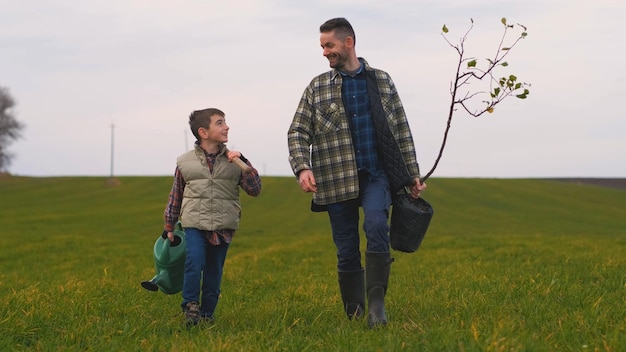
[(341, 26)]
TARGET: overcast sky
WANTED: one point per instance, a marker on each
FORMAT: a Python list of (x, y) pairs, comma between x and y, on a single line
[(77, 68)]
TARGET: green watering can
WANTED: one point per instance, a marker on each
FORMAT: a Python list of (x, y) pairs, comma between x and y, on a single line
[(169, 260)]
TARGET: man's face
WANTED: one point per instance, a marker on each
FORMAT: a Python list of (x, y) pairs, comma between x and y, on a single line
[(335, 50)]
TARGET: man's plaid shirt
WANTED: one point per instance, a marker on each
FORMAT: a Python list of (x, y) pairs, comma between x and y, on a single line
[(319, 137), (356, 102)]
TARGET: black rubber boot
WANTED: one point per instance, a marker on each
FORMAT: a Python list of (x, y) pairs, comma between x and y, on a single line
[(352, 287), (377, 268)]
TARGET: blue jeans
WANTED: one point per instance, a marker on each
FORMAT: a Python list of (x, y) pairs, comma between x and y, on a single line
[(375, 199), (204, 264)]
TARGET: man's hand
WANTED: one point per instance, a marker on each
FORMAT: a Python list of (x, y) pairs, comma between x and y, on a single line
[(307, 181), (417, 187), (170, 236)]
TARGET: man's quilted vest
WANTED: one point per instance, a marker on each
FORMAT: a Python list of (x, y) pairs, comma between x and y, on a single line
[(388, 150)]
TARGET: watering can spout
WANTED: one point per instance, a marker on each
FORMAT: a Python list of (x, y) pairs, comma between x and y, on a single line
[(152, 284), (169, 258)]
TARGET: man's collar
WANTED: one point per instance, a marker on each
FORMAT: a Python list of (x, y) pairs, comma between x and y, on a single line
[(352, 74), (364, 67)]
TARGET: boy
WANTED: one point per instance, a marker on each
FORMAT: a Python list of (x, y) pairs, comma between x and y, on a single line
[(205, 198)]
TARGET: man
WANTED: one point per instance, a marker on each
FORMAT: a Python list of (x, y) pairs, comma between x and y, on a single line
[(350, 144)]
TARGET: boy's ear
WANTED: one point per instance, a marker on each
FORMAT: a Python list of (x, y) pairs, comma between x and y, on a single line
[(202, 132)]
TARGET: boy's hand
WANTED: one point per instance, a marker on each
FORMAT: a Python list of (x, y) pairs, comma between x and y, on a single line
[(170, 236), (233, 157), (232, 154)]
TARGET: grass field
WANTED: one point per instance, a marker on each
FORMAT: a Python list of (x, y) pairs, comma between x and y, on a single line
[(507, 265)]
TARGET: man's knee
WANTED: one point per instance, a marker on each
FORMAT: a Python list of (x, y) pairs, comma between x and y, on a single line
[(376, 222)]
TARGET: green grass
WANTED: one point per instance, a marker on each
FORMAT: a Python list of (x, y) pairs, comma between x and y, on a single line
[(507, 265)]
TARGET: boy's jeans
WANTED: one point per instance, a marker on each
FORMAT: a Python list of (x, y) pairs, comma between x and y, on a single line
[(204, 263), (375, 199)]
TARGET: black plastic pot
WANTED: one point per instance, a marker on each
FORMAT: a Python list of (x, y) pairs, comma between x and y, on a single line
[(410, 219)]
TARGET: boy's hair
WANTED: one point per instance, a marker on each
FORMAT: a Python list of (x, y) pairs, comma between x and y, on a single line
[(202, 119), (341, 26)]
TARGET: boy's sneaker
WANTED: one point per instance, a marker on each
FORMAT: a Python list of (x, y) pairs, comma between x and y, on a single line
[(207, 319), (192, 313)]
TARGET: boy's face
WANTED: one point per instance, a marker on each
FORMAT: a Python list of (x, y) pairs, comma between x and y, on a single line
[(217, 131)]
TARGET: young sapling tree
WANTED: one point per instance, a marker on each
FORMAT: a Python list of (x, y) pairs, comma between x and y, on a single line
[(468, 72)]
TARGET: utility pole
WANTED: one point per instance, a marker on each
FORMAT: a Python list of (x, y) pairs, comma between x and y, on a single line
[(112, 146)]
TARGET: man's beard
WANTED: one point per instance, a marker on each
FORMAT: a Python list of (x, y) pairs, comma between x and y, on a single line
[(339, 61)]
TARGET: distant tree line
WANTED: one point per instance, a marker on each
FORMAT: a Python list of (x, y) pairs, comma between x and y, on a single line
[(10, 128)]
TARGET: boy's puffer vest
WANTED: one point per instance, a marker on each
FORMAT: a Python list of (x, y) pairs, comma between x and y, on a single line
[(210, 200)]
